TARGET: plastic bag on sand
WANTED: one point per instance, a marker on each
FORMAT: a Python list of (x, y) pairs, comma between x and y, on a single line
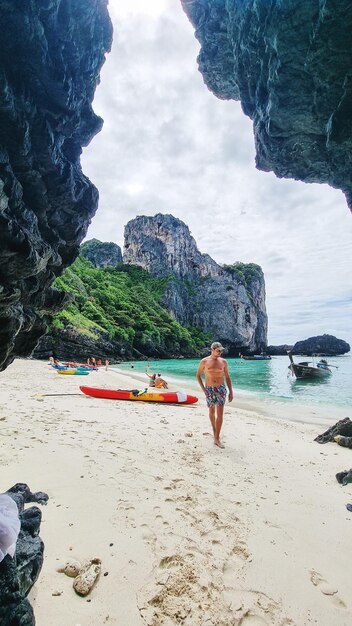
[(9, 526)]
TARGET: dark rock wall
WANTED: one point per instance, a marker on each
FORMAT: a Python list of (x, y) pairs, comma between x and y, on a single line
[(200, 293), (289, 63), (51, 53), (68, 344)]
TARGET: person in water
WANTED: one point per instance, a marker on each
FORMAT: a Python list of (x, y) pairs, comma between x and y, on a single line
[(216, 371)]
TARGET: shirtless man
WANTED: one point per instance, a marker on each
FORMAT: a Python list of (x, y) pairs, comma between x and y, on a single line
[(216, 371)]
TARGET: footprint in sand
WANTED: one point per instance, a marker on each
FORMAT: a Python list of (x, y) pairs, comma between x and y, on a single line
[(328, 590), (148, 534), (253, 620), (231, 567), (241, 551), (254, 609)]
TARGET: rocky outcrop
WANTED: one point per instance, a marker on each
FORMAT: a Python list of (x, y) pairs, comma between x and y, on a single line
[(326, 345), (101, 254), (342, 427), (226, 301), (344, 478), (50, 57), (19, 573), (68, 344), (345, 442), (279, 350), (289, 63)]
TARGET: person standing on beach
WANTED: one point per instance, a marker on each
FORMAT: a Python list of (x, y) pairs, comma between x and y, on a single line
[(216, 371)]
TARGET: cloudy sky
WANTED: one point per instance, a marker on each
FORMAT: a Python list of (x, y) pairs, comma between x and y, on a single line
[(170, 146)]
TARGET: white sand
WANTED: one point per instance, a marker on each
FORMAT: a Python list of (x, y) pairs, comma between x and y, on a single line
[(256, 534)]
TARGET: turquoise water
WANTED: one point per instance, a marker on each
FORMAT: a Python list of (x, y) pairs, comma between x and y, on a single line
[(268, 379)]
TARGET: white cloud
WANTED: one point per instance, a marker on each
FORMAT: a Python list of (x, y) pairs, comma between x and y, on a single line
[(168, 145)]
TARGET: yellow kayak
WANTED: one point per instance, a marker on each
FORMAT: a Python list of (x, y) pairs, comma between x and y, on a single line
[(73, 372)]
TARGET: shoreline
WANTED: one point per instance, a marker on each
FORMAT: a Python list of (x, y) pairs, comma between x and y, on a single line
[(270, 407), (255, 533)]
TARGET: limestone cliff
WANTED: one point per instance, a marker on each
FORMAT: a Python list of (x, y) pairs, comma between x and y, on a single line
[(101, 254), (51, 53), (200, 293), (289, 63)]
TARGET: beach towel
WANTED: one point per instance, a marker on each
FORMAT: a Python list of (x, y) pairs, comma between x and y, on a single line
[(9, 526)]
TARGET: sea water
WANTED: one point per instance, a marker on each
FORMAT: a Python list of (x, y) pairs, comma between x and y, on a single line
[(263, 379)]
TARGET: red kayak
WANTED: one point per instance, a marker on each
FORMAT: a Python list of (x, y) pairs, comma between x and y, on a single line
[(169, 397)]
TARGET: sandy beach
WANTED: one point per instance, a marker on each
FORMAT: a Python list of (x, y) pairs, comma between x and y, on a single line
[(255, 534)]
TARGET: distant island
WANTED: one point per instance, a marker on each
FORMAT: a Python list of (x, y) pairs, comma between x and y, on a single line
[(322, 345)]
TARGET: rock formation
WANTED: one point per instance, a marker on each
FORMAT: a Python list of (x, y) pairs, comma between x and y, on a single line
[(327, 345), (345, 442), (69, 344), (50, 57), (344, 478), (101, 254), (279, 350), (342, 427), (200, 292), (341, 432), (289, 64), (18, 574)]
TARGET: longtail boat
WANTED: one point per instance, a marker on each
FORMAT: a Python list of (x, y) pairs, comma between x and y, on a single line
[(256, 357), (307, 369)]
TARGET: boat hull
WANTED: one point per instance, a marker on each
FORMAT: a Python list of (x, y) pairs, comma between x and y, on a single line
[(168, 397), (257, 357), (306, 371)]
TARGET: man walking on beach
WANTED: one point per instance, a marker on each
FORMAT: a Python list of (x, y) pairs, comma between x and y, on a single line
[(216, 372)]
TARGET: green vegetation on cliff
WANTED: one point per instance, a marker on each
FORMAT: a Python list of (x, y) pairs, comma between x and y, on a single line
[(123, 303), (245, 273)]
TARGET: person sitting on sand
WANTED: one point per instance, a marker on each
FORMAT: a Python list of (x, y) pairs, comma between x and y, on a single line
[(156, 381), (160, 383), (152, 379), (216, 372)]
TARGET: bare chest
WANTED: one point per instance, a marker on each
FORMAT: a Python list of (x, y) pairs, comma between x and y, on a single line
[(214, 367)]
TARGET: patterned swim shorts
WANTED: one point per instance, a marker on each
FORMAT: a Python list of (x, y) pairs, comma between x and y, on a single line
[(215, 395)]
